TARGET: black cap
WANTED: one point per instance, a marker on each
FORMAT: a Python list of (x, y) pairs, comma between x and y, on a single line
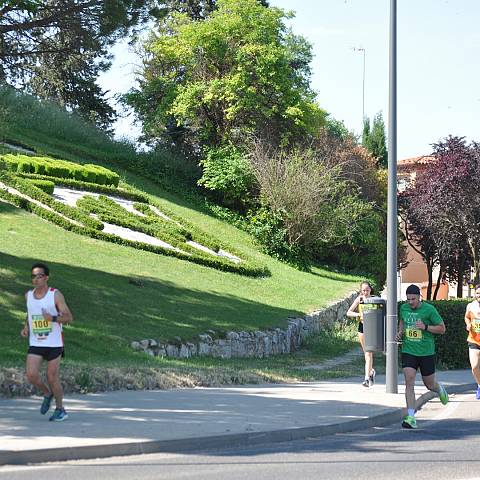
[(413, 290)]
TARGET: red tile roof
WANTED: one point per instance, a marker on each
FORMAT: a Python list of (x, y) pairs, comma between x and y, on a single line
[(423, 160)]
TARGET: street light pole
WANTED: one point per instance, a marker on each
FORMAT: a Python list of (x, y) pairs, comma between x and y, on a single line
[(361, 49), (392, 217)]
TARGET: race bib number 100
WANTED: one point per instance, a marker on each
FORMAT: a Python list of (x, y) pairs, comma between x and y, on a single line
[(40, 326), (413, 334)]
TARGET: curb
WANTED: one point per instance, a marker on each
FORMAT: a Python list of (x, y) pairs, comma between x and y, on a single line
[(426, 397), (212, 442)]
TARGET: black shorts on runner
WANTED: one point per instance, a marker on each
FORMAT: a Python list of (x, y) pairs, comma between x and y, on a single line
[(426, 364), (473, 346), (360, 327), (48, 353)]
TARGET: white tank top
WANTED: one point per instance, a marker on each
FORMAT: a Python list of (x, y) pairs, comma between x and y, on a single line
[(42, 332)]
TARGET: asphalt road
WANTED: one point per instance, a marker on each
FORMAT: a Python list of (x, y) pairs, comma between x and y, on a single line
[(445, 446)]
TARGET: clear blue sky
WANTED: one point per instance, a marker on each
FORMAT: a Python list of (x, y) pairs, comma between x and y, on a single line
[(438, 67)]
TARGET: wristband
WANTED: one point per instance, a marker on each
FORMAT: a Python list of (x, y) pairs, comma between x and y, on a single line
[(426, 327), (54, 318)]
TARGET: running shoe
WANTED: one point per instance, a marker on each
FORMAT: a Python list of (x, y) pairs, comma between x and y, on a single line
[(366, 382), (47, 401), (409, 422), (59, 415), (371, 378), (478, 393), (443, 394)]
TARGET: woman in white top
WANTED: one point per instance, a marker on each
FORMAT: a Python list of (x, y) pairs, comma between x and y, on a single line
[(355, 312)]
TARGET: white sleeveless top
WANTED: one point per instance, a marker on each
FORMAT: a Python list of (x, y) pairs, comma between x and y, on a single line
[(42, 332)]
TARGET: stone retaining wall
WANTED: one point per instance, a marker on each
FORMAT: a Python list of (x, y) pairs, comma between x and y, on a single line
[(251, 344)]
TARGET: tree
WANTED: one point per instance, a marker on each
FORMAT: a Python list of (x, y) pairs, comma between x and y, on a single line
[(456, 189), (237, 73), (441, 210), (56, 49), (374, 139), (416, 229)]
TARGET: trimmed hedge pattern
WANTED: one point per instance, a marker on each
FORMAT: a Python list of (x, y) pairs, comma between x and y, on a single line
[(176, 235), (24, 186), (89, 187), (61, 168), (46, 185)]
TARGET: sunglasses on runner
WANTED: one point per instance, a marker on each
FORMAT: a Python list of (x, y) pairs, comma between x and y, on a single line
[(38, 275)]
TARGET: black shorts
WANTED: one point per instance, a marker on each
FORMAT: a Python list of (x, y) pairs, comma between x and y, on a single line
[(360, 327), (426, 364), (473, 346), (48, 353)]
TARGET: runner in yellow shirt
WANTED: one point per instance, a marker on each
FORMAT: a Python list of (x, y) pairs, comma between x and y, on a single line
[(355, 311)]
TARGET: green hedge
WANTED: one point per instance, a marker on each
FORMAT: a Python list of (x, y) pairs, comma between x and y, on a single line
[(90, 187), (452, 348), (46, 185), (245, 268), (25, 187), (61, 168)]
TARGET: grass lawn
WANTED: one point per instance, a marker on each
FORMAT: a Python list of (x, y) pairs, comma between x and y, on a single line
[(177, 298)]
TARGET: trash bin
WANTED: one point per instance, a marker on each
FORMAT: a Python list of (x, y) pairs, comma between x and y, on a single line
[(373, 316)]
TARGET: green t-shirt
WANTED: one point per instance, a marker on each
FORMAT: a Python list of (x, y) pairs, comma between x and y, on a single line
[(416, 341)]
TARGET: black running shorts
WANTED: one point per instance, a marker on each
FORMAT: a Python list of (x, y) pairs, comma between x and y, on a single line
[(426, 364), (48, 353)]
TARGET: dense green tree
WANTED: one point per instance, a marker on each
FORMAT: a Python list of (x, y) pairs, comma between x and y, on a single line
[(240, 72), (374, 139), (56, 49)]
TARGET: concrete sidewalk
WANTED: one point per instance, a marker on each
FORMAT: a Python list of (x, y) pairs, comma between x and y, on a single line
[(134, 422)]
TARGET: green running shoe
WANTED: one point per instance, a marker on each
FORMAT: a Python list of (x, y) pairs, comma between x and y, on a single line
[(409, 422), (443, 394), (47, 401)]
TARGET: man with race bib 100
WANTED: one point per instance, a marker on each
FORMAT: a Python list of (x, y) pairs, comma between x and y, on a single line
[(419, 322), (47, 311)]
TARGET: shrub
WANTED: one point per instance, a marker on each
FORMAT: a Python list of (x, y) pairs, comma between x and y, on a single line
[(45, 185), (227, 171), (61, 169), (268, 228), (452, 349)]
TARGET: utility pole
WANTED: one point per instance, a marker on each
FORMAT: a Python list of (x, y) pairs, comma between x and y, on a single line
[(392, 217)]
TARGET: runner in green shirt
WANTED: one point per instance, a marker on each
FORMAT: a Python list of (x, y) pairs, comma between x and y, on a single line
[(418, 323)]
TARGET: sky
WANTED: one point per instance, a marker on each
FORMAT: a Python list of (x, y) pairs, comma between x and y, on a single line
[(438, 77)]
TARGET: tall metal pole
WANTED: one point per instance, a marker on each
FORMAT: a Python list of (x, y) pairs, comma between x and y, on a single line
[(392, 219), (363, 86), (361, 49)]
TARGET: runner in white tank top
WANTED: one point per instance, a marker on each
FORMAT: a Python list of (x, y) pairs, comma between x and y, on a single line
[(47, 311), (43, 333)]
